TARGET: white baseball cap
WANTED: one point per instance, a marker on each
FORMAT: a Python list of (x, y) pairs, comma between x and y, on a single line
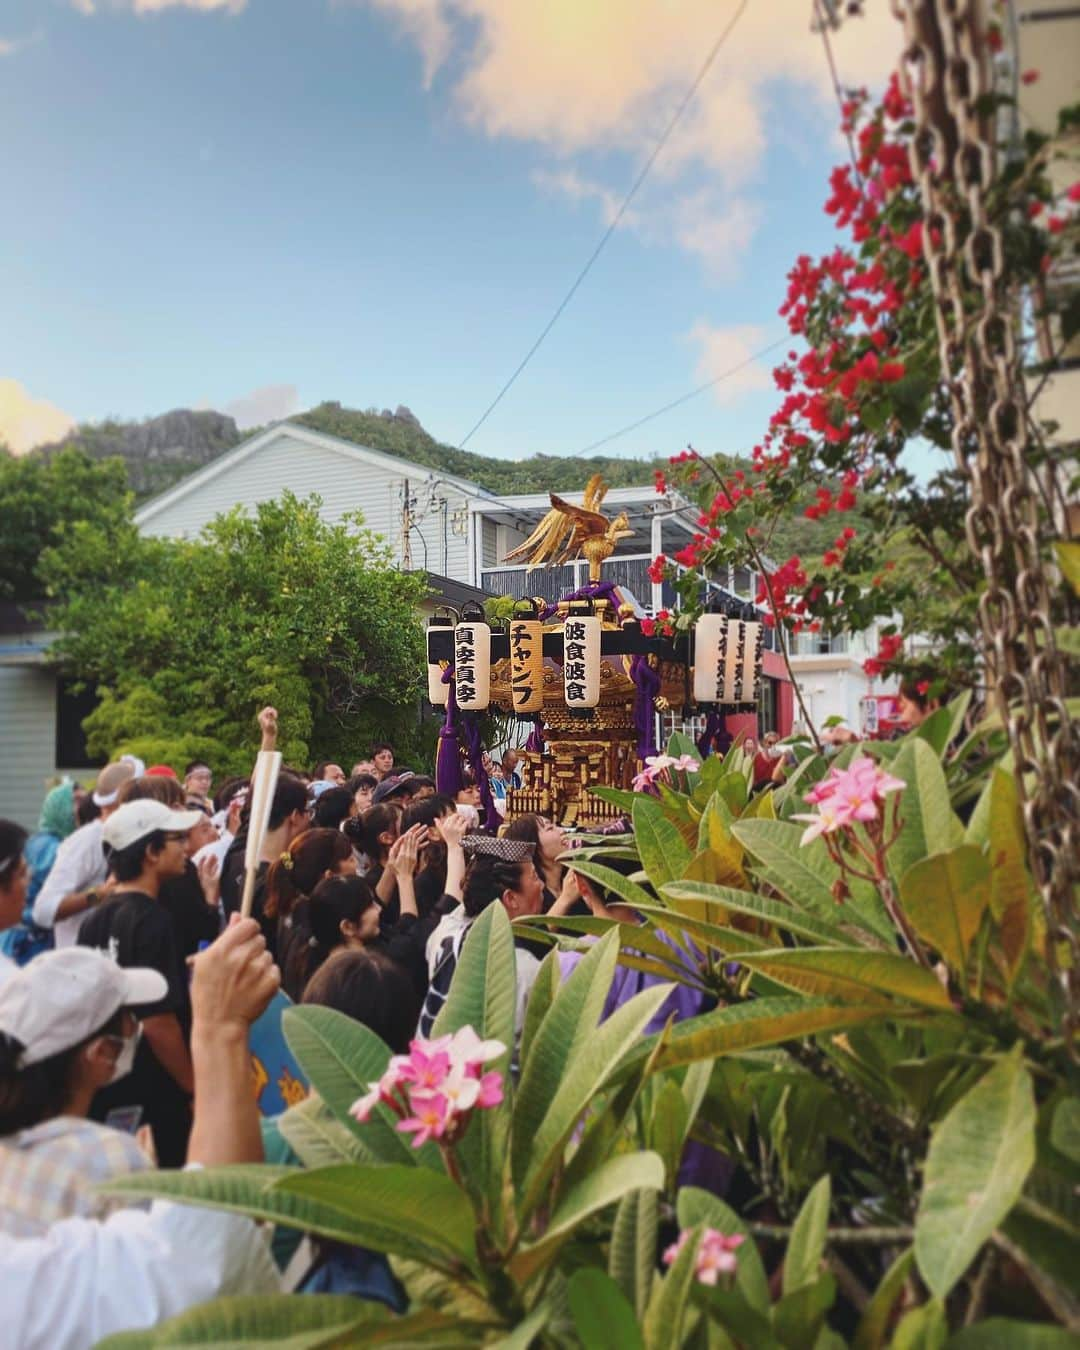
[(135, 820), (62, 998)]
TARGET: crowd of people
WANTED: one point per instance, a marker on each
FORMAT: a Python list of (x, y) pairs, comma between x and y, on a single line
[(129, 981)]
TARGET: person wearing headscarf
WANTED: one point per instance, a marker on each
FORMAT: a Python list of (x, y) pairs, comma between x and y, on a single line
[(56, 821)]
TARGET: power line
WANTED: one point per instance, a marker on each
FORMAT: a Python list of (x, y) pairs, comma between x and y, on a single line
[(683, 105), (675, 403)]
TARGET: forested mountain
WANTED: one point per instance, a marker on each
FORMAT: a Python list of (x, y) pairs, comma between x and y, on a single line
[(159, 451)]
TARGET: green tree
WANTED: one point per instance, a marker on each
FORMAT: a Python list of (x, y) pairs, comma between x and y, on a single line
[(186, 638), (41, 501)]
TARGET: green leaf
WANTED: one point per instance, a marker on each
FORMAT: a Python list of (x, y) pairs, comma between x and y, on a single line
[(1065, 1129), (632, 1253), (718, 851), (696, 1207), (1068, 556), (852, 973), (341, 1057), (804, 875), (945, 896), (936, 731), (874, 1322), (605, 1185), (798, 1317), (922, 1328), (728, 1309), (317, 1138), (929, 824), (755, 906), (614, 881), (663, 1321), (571, 1018), (589, 1069), (979, 1158), (1002, 1333), (280, 1320), (663, 851), (397, 1207), (602, 1317), (262, 1193), (620, 797), (668, 1125), (753, 1025), (482, 996), (806, 1247), (547, 984)]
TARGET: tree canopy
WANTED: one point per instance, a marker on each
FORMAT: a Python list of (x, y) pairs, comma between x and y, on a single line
[(185, 639)]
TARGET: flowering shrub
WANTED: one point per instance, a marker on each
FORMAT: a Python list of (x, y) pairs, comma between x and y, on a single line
[(861, 382), (436, 1086), (661, 768)]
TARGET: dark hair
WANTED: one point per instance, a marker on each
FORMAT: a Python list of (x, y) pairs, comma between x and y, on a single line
[(486, 877), (378, 820), (40, 1091), (421, 780), (426, 812), (300, 868), (319, 771), (316, 928), (373, 990), (87, 810), (290, 795), (525, 828), (126, 863), (380, 746), (151, 788), (196, 764), (227, 791), (12, 839), (921, 697), (331, 808)]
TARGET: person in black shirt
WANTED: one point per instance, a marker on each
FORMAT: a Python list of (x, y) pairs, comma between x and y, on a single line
[(145, 845), (288, 816)]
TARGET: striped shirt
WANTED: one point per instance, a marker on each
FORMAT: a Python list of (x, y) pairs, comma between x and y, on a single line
[(49, 1172)]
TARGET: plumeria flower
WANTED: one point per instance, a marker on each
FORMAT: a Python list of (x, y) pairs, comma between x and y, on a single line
[(827, 820), (715, 1255), (433, 1115), (687, 764), (425, 1067), (466, 1047), (657, 763), (643, 780)]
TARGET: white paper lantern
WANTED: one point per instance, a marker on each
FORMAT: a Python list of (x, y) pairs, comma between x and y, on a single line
[(711, 658), (472, 664), (526, 665), (437, 692), (749, 646), (581, 661)]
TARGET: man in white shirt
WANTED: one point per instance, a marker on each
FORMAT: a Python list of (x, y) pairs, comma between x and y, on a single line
[(86, 1279), (77, 879)]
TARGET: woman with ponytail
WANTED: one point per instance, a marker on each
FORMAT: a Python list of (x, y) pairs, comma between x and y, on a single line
[(312, 856)]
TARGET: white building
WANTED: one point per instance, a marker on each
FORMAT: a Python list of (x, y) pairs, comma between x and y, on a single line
[(829, 672)]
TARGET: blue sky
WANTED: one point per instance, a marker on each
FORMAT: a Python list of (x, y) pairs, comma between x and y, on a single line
[(255, 205)]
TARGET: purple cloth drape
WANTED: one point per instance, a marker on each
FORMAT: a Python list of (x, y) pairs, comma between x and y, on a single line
[(448, 777), (647, 684), (470, 734), (595, 590), (714, 725), (535, 743)]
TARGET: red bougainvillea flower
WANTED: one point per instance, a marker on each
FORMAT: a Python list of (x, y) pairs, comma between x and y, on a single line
[(1029, 77)]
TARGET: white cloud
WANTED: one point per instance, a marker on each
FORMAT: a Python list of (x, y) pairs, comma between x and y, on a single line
[(728, 352), (585, 76), (26, 421), (156, 6), (270, 403), (11, 46)]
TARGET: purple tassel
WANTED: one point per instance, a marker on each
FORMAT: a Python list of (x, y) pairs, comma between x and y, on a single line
[(448, 778), (647, 683), (595, 590), (535, 743)]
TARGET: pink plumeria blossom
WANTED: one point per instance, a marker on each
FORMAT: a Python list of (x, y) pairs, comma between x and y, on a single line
[(465, 1047), (687, 764), (433, 1115), (829, 818), (716, 1254), (491, 1091), (424, 1068)]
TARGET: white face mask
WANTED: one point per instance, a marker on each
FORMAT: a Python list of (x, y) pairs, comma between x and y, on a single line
[(125, 1060)]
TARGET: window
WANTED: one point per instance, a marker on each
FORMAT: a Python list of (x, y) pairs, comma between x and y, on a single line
[(766, 714), (71, 708)]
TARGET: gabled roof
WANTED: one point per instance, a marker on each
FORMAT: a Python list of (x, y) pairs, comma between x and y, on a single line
[(317, 439)]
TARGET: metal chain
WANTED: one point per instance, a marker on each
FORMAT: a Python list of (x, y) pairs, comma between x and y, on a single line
[(945, 70)]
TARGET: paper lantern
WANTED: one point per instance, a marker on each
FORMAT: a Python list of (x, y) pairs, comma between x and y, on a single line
[(710, 659), (526, 663), (437, 692), (749, 644), (581, 661), (472, 664)]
